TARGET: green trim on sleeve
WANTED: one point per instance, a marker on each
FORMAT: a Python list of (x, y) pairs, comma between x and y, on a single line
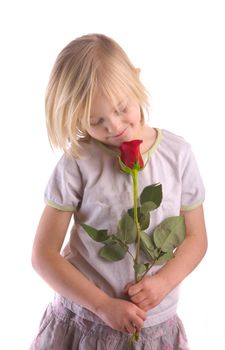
[(193, 206), (59, 207)]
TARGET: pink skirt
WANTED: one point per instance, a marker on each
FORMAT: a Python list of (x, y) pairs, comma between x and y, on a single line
[(61, 329)]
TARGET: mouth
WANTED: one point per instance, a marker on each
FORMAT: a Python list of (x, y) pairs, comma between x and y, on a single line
[(120, 134)]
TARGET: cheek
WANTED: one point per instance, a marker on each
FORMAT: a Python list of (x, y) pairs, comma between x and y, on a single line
[(96, 133), (91, 132), (135, 117)]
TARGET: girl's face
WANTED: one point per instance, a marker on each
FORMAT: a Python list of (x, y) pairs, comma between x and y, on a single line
[(113, 125)]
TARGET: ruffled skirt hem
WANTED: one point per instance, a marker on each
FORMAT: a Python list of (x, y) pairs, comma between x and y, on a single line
[(61, 329)]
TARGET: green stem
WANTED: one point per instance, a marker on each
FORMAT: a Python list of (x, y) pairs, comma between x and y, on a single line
[(135, 335), (138, 239), (149, 268), (126, 247), (153, 263)]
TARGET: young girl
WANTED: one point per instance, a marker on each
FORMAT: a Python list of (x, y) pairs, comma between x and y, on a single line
[(94, 102)]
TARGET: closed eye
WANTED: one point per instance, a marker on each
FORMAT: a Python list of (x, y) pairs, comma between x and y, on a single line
[(121, 111), (97, 122)]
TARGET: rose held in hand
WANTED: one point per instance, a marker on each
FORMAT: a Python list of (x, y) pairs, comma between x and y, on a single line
[(159, 245)]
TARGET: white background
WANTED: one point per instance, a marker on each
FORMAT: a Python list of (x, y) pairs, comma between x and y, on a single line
[(179, 46)]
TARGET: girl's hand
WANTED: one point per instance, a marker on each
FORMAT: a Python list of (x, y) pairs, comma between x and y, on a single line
[(147, 293), (122, 315)]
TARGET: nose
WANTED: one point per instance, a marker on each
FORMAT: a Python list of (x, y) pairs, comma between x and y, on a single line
[(113, 125)]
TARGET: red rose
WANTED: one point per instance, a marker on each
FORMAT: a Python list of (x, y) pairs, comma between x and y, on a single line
[(131, 155)]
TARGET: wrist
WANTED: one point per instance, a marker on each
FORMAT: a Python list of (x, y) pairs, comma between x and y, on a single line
[(166, 280), (100, 304)]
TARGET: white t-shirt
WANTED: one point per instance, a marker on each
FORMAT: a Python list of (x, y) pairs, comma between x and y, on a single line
[(98, 193)]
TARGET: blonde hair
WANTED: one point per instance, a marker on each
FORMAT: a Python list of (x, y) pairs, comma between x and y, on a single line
[(86, 66)]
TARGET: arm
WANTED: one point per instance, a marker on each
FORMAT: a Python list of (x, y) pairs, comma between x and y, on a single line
[(150, 291), (65, 279)]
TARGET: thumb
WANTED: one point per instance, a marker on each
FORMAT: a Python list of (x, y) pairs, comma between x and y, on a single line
[(127, 287), (134, 288)]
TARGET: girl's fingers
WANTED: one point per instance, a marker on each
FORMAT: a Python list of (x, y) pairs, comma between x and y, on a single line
[(134, 289), (138, 298), (141, 314), (144, 305), (126, 288), (138, 324), (130, 327)]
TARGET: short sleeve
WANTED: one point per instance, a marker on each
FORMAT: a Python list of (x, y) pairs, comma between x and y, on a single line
[(64, 187), (193, 192)]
